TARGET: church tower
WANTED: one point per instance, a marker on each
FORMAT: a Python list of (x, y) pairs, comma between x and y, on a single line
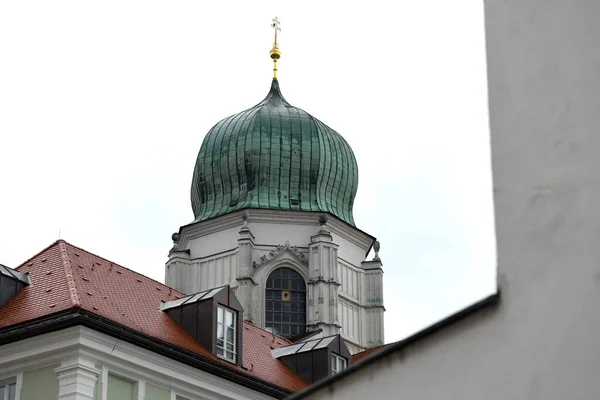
[(272, 194)]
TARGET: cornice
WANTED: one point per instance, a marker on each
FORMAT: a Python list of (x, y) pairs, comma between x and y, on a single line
[(348, 264), (309, 218), (373, 265), (77, 317), (342, 296), (188, 260)]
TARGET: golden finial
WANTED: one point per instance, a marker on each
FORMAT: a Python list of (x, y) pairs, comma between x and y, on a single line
[(275, 53)]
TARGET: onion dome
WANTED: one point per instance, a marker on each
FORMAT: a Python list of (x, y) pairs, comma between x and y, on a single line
[(274, 156)]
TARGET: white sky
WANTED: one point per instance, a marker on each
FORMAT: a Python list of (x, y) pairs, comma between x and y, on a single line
[(104, 105)]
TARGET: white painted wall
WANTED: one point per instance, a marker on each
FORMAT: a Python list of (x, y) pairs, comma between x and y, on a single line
[(215, 259), (271, 234), (85, 356), (541, 342)]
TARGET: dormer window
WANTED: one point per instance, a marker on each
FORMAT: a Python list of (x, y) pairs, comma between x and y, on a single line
[(338, 364), (226, 333), (11, 282), (315, 358), (214, 318)]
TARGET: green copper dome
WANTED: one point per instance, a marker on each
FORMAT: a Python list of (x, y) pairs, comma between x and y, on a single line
[(274, 156)]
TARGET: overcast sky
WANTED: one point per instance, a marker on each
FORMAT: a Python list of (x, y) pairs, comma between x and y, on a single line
[(104, 105)]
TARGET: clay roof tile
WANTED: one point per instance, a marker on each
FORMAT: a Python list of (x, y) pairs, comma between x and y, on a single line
[(65, 276)]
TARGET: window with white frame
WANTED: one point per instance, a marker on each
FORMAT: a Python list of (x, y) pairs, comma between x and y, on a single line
[(8, 390), (338, 364), (226, 333)]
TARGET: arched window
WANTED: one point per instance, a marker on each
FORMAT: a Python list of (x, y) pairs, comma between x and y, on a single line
[(285, 302)]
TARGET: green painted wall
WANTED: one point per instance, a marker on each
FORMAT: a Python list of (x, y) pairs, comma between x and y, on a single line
[(120, 388), (156, 393), (40, 384)]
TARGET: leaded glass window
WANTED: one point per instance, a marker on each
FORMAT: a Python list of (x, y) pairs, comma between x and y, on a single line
[(285, 303)]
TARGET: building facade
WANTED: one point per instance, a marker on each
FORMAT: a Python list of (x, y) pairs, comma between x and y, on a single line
[(272, 194), (268, 289), (536, 338)]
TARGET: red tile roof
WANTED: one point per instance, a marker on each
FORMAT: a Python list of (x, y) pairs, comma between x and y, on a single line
[(364, 354), (64, 276)]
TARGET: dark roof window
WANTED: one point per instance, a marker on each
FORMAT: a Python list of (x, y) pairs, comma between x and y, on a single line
[(213, 317), (11, 282), (317, 358), (207, 294)]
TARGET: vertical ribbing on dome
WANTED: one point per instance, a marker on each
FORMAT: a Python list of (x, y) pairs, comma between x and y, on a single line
[(274, 156)]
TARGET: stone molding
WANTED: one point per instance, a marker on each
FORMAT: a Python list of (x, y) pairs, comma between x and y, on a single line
[(191, 261), (283, 254), (334, 224), (76, 381), (283, 247), (284, 258), (84, 349)]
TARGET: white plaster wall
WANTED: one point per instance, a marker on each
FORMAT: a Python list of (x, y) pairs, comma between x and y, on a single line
[(349, 318), (214, 260), (215, 271), (271, 234), (541, 342), (216, 242), (349, 277), (268, 233), (348, 251), (202, 274)]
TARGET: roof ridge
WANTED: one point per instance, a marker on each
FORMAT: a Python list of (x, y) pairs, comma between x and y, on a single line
[(62, 245), (125, 268), (270, 333), (37, 254)]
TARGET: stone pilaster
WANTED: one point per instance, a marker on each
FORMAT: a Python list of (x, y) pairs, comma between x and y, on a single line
[(372, 298), (245, 270), (177, 265), (76, 381), (323, 282)]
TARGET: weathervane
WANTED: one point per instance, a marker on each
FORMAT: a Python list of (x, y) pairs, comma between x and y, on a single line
[(275, 53)]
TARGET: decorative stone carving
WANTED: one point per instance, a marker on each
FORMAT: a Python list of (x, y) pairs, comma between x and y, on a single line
[(321, 299), (376, 247), (175, 237), (281, 248)]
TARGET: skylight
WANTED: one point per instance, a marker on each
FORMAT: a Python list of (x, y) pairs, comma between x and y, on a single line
[(193, 298)]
